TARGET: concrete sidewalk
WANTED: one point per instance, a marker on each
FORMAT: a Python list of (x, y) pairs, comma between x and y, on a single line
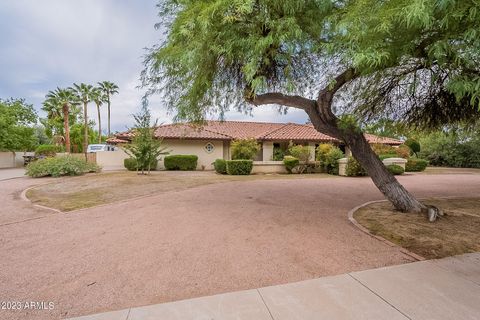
[(437, 289)]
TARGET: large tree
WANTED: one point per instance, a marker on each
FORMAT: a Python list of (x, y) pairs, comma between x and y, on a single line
[(16, 125), (415, 60), (59, 102), (85, 93), (109, 89)]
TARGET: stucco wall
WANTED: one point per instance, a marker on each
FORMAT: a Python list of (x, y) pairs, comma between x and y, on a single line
[(196, 147), (7, 160), (110, 160)]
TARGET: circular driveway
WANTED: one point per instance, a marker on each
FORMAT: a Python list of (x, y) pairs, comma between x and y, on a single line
[(201, 241)]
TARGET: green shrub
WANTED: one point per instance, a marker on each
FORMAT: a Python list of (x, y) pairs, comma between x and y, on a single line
[(278, 154), (48, 150), (328, 155), (131, 164), (239, 167), (414, 146), (246, 149), (395, 169), (416, 165), (290, 163), (60, 166), (354, 169), (220, 166), (388, 155), (302, 153), (181, 162)]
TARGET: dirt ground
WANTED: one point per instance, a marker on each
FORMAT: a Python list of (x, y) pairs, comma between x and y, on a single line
[(67, 194), (457, 232), (203, 240)]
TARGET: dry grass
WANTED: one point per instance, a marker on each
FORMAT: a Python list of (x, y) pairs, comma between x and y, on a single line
[(72, 193), (446, 170), (455, 233)]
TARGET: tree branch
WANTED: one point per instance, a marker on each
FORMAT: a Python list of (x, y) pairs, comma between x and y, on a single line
[(282, 99), (326, 95)]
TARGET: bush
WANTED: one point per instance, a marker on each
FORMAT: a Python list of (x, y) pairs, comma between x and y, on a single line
[(354, 169), (60, 166), (403, 151), (220, 166), (302, 153), (416, 165), (278, 154), (239, 167), (414, 146), (290, 163), (131, 164), (380, 148), (395, 169), (48, 150), (246, 149), (181, 162), (328, 156), (386, 156)]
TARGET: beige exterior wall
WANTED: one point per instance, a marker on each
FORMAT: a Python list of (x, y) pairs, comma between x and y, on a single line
[(111, 160), (267, 151), (268, 167), (7, 159), (196, 147)]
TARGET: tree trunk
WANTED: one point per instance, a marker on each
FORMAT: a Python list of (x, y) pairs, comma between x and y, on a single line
[(66, 127), (108, 101), (324, 120), (85, 132), (99, 125), (381, 177)]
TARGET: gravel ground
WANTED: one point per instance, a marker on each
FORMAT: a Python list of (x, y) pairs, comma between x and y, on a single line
[(201, 241)]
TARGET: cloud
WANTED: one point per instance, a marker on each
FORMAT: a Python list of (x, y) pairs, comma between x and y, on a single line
[(55, 43)]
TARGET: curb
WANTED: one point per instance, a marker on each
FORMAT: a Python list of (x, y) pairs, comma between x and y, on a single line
[(385, 241), (23, 196)]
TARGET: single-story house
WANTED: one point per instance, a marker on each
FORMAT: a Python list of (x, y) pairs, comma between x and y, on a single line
[(212, 140)]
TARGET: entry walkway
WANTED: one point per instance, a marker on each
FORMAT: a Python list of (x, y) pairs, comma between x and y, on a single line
[(437, 289)]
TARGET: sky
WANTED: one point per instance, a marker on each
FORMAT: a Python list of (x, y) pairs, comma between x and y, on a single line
[(55, 43)]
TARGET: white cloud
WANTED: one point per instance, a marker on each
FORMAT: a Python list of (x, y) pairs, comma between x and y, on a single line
[(52, 43)]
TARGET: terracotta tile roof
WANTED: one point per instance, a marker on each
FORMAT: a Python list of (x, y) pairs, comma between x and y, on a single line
[(371, 138), (116, 140), (295, 131), (188, 131), (229, 130)]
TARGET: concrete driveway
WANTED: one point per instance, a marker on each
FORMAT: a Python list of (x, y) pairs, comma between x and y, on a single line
[(206, 240)]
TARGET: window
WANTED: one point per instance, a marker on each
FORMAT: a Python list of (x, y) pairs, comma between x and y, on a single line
[(209, 147)]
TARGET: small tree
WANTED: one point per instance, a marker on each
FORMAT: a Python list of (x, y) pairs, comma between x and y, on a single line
[(145, 148), (245, 149)]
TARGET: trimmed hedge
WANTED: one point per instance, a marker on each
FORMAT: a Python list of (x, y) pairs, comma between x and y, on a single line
[(239, 167), (395, 169), (183, 162), (416, 165), (48, 150), (388, 155), (290, 163), (220, 166), (60, 166), (354, 169), (131, 164)]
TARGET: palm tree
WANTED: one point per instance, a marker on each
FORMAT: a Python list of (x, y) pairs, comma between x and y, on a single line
[(84, 92), (109, 89), (61, 99), (99, 97)]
